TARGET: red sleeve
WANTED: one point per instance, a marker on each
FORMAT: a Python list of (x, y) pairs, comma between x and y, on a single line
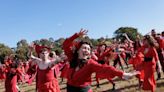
[(18, 70), (105, 70), (161, 43), (141, 49), (68, 44), (104, 54), (155, 54)]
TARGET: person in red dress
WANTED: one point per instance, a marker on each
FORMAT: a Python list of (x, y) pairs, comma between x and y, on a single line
[(64, 67), (103, 54), (136, 60), (45, 72), (82, 66), (159, 66), (11, 77), (2, 73), (149, 64)]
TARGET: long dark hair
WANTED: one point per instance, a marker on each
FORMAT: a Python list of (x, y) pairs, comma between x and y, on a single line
[(151, 40), (75, 61)]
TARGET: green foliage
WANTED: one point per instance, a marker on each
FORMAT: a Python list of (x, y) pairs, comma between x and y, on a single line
[(22, 49), (4, 51), (22, 46), (130, 31)]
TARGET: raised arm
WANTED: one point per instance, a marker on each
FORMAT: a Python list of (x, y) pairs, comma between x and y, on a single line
[(69, 43), (30, 54), (126, 36)]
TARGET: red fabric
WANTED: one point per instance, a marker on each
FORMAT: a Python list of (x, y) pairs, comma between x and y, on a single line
[(101, 74), (11, 81), (136, 62), (161, 43), (57, 69), (103, 55), (19, 76), (64, 71), (38, 48), (26, 66), (46, 81), (123, 55), (31, 73), (32, 69), (149, 69), (2, 73), (8, 62), (82, 77), (68, 46)]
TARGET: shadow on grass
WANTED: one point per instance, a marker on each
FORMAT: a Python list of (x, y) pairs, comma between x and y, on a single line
[(121, 89)]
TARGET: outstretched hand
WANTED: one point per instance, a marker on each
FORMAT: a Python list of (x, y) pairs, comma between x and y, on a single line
[(135, 73), (126, 76), (83, 32)]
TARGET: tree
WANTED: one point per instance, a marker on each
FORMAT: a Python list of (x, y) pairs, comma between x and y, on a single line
[(22, 49), (130, 31), (22, 42), (4, 51)]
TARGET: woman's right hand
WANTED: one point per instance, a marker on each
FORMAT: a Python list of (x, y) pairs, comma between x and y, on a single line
[(82, 33)]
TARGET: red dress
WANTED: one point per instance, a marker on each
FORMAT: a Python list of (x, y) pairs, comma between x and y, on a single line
[(136, 62), (101, 59), (64, 70), (2, 73), (82, 77), (11, 80), (149, 67), (46, 81)]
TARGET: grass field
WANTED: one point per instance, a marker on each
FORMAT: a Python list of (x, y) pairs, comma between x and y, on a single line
[(121, 85)]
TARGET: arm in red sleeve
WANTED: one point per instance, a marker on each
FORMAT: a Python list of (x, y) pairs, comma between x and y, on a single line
[(68, 44), (107, 71), (155, 54), (106, 52)]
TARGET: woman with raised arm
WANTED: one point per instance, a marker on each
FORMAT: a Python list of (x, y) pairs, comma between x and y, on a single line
[(149, 63), (82, 66), (46, 81)]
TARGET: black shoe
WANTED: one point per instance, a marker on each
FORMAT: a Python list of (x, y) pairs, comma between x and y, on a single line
[(140, 84), (113, 87), (98, 86), (159, 76)]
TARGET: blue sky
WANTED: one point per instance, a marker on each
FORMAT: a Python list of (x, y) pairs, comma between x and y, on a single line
[(36, 19)]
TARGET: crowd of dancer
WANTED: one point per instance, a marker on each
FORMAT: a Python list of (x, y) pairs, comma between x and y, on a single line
[(79, 60)]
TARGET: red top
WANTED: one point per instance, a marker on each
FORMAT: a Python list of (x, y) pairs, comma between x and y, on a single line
[(82, 77), (150, 53), (103, 55), (45, 75), (161, 43), (11, 80), (68, 46)]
